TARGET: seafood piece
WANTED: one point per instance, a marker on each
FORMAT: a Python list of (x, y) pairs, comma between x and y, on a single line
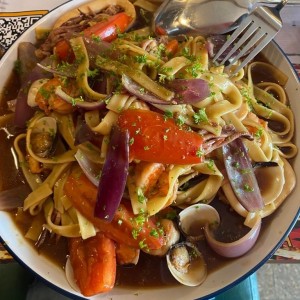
[(43, 136), (193, 219), (48, 101), (70, 275), (127, 255), (33, 90), (171, 237), (187, 264)]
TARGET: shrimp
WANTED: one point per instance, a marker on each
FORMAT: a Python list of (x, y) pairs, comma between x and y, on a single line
[(152, 178), (48, 101), (126, 254), (171, 235)]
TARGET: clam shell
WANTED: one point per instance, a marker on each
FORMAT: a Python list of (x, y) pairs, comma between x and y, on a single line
[(196, 270), (70, 275), (43, 136), (192, 220), (33, 90)]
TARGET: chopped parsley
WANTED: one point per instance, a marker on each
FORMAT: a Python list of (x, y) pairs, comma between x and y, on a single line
[(248, 188), (135, 233), (140, 219), (154, 233), (200, 116), (211, 165), (245, 94), (180, 120), (199, 153), (236, 164), (141, 197), (143, 245), (92, 73), (141, 59), (195, 69), (258, 133), (168, 114)]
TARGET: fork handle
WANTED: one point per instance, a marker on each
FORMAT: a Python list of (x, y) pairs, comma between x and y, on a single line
[(279, 6), (291, 2)]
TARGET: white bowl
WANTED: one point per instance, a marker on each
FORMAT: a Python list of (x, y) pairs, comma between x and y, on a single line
[(218, 281)]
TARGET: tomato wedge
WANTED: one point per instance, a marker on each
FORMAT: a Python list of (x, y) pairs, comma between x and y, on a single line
[(108, 30), (64, 51), (172, 47), (155, 138), (94, 263)]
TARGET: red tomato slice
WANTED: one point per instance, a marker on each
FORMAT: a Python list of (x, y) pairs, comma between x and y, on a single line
[(64, 51), (154, 138), (172, 47), (108, 30)]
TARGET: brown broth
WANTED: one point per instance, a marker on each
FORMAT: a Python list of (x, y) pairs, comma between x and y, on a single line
[(151, 271)]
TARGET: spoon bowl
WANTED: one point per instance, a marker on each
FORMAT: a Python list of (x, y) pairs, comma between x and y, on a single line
[(206, 17)]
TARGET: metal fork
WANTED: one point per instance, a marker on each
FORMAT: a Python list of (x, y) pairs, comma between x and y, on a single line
[(256, 31)]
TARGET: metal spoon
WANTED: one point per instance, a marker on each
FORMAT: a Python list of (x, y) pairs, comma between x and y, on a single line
[(205, 17), (175, 17)]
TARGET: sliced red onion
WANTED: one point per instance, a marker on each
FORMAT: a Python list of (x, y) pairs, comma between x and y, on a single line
[(23, 111), (241, 175), (237, 248), (79, 102), (90, 169), (137, 90), (83, 133), (189, 91), (214, 44), (13, 198), (114, 175)]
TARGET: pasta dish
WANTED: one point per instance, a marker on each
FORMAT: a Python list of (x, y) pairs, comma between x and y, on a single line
[(126, 139)]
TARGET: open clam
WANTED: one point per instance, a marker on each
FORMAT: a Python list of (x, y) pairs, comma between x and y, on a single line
[(70, 275), (186, 264), (43, 136), (193, 219)]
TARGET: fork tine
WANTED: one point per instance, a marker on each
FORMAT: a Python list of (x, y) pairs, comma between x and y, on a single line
[(256, 31), (232, 38), (252, 42), (265, 41), (249, 32)]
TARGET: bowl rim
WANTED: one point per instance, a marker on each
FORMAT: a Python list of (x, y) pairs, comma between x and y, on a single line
[(208, 296)]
